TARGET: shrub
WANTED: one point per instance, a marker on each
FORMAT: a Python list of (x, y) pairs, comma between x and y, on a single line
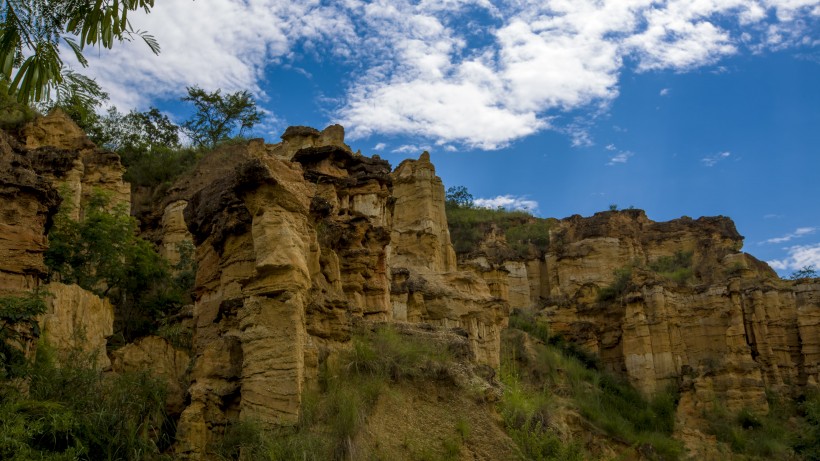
[(103, 253), (607, 402), (18, 316), (677, 267), (469, 224), (73, 411), (806, 272), (618, 286)]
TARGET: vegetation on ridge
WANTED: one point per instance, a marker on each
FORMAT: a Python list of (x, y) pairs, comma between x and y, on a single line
[(469, 224)]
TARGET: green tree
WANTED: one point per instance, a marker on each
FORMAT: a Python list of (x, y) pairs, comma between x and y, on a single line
[(79, 97), (135, 132), (103, 253), (459, 197), (218, 116), (32, 31)]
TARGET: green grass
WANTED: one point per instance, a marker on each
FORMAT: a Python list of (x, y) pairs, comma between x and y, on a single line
[(677, 267), (537, 386), (523, 232), (74, 412), (791, 430), (618, 286)]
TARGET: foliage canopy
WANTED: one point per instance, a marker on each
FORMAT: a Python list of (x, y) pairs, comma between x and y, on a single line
[(218, 116), (32, 31)]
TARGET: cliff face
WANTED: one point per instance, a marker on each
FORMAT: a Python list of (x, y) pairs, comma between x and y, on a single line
[(724, 327), (427, 286), (294, 246), (298, 242), (54, 165)]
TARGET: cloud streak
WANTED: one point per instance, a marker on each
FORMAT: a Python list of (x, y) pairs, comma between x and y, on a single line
[(799, 232), (466, 72), (713, 160), (509, 202), (799, 256)]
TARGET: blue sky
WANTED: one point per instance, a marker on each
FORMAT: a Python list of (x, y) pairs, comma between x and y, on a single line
[(561, 106)]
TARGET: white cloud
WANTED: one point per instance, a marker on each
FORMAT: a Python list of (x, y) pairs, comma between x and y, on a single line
[(410, 149), (664, 92), (509, 202), (418, 71), (799, 257), (713, 160), (620, 158), (799, 232), (380, 146)]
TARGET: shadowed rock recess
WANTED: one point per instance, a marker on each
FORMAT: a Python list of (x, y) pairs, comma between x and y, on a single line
[(300, 242)]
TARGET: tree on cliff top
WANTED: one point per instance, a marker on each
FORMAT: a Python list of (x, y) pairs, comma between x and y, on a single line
[(218, 116), (32, 31)]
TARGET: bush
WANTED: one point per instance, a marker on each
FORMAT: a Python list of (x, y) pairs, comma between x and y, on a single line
[(618, 286), (349, 387), (103, 253), (469, 224), (677, 267), (605, 401), (73, 411), (18, 317)]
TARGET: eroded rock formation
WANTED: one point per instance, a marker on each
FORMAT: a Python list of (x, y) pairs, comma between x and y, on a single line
[(296, 242), (724, 329), (427, 285)]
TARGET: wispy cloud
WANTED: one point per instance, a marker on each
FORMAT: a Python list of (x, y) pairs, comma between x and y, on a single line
[(664, 92), (509, 202), (713, 160), (799, 256), (620, 158), (380, 146), (410, 149), (799, 232), (419, 72)]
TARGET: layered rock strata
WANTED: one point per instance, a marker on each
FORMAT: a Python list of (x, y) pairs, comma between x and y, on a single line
[(727, 328), (295, 243), (426, 283)]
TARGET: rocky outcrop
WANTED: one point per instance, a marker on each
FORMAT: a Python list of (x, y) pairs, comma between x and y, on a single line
[(27, 203), (77, 321), (62, 154), (296, 245), (426, 284), (256, 252), (724, 327)]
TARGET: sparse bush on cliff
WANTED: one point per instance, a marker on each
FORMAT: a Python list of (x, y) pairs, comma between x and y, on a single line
[(468, 224), (103, 253), (349, 387), (806, 272), (18, 317), (677, 267), (618, 286)]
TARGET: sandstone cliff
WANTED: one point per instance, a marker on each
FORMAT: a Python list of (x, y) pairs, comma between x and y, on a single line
[(724, 327), (295, 243)]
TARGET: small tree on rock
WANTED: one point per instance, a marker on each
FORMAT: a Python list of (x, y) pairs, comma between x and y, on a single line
[(218, 116)]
